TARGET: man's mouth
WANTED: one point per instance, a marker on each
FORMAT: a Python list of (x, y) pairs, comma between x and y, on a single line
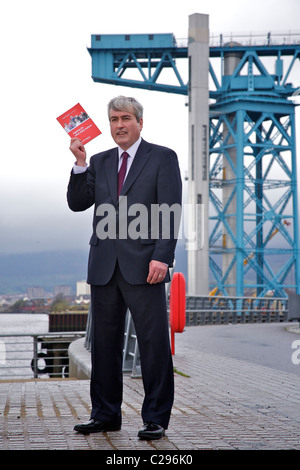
[(121, 133)]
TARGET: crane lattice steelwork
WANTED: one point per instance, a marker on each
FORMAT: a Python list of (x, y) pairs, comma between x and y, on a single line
[(252, 147)]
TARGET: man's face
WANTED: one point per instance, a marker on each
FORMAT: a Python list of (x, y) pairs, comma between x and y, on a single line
[(124, 128)]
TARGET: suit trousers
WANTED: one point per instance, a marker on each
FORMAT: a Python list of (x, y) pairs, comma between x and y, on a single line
[(147, 305)]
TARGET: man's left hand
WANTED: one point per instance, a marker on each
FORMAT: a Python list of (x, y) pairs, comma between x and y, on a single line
[(157, 272)]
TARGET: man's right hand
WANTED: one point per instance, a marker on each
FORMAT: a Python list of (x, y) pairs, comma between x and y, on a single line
[(78, 150)]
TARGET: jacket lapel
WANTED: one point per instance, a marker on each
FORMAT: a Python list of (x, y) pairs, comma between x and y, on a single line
[(141, 157), (111, 169)]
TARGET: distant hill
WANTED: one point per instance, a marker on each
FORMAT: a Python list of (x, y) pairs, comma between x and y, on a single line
[(52, 268), (43, 269)]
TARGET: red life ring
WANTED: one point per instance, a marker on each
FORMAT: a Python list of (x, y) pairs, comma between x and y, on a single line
[(177, 303)]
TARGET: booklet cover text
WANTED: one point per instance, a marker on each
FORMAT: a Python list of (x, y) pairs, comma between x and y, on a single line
[(77, 123)]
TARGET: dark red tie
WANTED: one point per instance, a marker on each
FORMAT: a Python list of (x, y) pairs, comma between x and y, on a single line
[(122, 172)]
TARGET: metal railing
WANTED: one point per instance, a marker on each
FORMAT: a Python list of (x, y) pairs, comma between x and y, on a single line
[(224, 310), (25, 356), (249, 38), (255, 38)]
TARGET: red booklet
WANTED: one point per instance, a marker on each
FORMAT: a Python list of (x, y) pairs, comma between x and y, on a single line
[(77, 123)]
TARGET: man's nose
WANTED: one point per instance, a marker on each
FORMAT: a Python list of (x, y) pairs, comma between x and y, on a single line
[(120, 123)]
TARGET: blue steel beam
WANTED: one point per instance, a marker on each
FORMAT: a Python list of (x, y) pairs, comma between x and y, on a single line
[(273, 209), (113, 56)]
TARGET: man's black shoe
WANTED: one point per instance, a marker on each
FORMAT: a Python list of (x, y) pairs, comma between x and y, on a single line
[(151, 431), (95, 425)]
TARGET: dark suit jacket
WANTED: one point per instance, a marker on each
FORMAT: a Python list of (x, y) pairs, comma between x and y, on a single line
[(153, 179)]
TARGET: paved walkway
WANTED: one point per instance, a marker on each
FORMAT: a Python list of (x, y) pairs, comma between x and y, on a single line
[(220, 403)]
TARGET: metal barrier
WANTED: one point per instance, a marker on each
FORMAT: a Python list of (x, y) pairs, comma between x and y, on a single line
[(224, 310), (32, 356), (131, 353)]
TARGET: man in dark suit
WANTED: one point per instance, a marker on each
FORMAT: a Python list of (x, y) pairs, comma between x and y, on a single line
[(130, 253)]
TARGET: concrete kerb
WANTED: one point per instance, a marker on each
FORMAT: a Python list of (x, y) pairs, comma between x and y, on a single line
[(79, 360), (80, 357)]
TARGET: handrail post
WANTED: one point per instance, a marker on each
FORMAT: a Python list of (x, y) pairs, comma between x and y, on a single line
[(35, 357)]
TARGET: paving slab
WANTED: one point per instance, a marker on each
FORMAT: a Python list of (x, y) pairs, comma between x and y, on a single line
[(220, 404)]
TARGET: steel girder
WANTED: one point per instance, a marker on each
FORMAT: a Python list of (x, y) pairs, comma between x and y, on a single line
[(262, 200)]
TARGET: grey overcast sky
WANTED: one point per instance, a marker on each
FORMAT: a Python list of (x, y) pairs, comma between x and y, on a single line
[(46, 69)]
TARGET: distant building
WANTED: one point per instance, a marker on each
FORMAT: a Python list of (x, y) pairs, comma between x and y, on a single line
[(35, 292), (82, 288), (66, 291)]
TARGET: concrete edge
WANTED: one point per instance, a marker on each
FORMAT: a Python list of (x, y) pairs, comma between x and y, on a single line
[(80, 357), (79, 360)]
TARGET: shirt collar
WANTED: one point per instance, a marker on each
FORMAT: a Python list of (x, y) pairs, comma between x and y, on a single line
[(132, 150)]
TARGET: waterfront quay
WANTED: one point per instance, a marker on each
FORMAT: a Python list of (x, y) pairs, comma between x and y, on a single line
[(221, 403)]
